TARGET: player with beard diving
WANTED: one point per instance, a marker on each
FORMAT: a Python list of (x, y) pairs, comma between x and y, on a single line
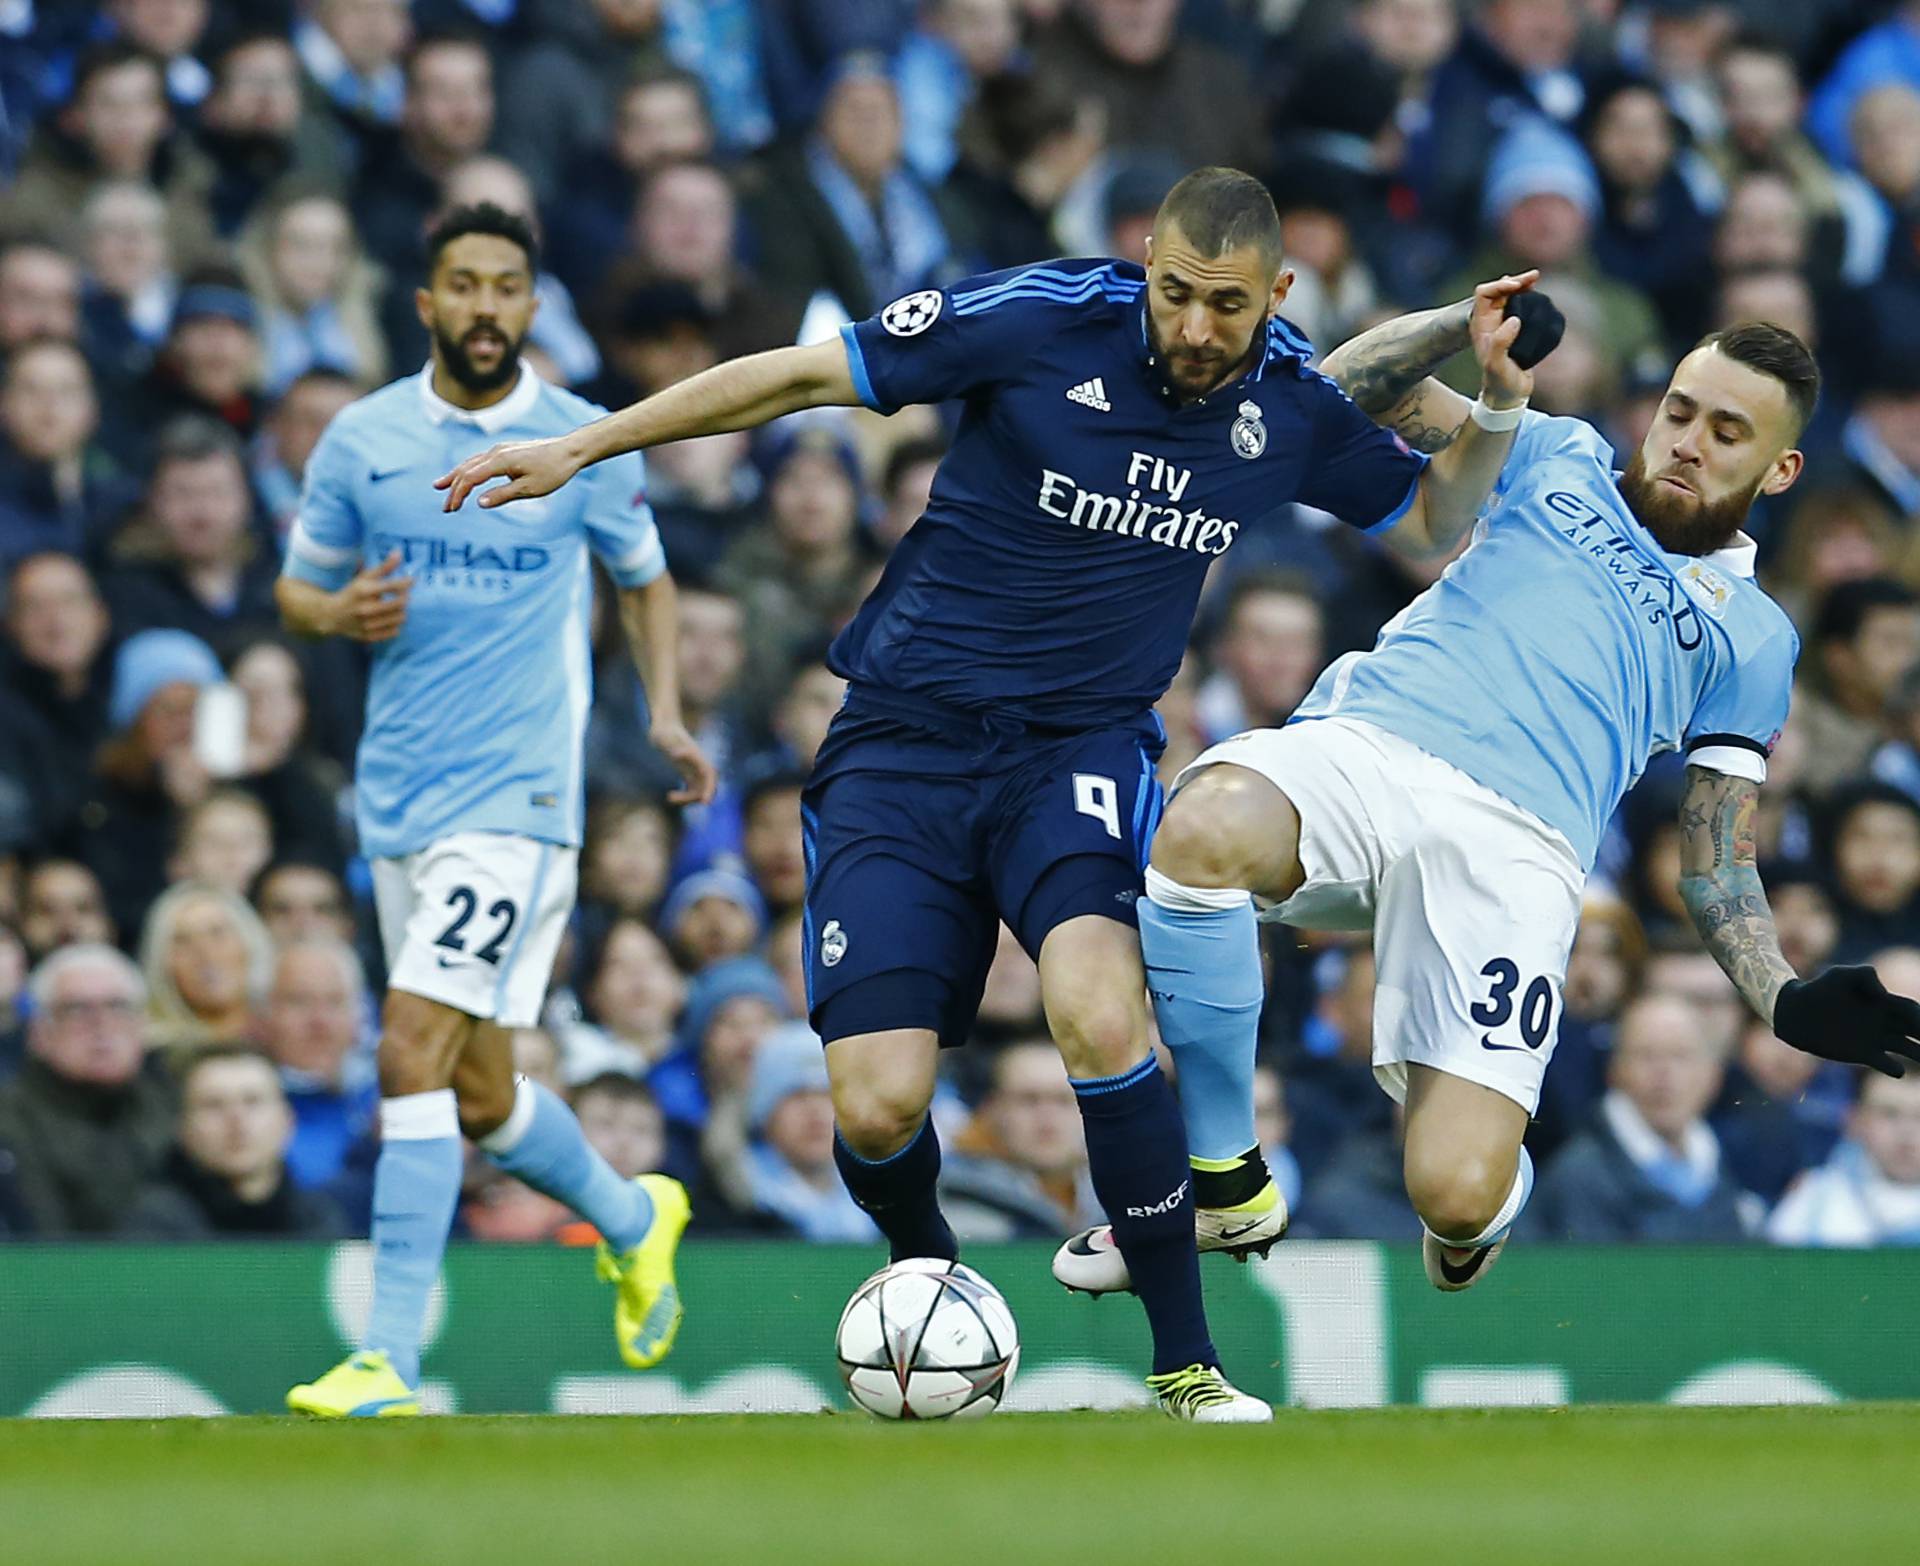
[(1448, 790), (1120, 428), (468, 785)]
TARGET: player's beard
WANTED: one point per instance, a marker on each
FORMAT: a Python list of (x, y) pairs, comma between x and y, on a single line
[(1217, 367), (459, 363), (1683, 524)]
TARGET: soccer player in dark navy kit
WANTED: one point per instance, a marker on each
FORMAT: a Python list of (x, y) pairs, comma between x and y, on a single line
[(1121, 429)]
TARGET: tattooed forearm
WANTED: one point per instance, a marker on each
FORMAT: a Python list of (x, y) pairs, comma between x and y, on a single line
[(1380, 367), (1426, 421), (1720, 884)]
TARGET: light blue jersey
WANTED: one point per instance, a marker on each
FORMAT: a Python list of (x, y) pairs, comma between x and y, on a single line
[(478, 707), (1565, 647)]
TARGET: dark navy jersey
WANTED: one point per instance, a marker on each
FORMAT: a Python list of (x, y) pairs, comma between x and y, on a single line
[(1054, 575)]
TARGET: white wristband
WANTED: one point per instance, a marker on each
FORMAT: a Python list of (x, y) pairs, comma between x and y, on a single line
[(1496, 421)]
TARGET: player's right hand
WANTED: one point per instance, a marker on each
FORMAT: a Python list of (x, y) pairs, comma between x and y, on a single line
[(532, 467), (1493, 332), (1847, 1014), (373, 606)]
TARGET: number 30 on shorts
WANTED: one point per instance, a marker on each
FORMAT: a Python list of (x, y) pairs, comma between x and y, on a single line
[(1535, 1007)]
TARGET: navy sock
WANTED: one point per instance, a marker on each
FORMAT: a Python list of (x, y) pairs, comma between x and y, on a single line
[(898, 1194), (1137, 1152)]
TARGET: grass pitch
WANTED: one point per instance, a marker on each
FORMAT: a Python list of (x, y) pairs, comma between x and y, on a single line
[(1619, 1485)]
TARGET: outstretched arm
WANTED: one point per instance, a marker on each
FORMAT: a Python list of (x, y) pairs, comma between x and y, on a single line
[(738, 395), (1845, 1014), (1385, 371)]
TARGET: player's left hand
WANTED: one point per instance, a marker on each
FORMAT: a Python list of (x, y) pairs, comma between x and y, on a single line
[(697, 775), (1847, 1014), (532, 467), (1503, 384)]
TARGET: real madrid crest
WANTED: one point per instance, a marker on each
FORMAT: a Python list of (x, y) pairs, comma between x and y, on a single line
[(1249, 434)]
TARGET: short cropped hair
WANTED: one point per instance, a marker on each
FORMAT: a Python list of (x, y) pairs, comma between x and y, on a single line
[(1220, 210), (482, 218), (1774, 351)]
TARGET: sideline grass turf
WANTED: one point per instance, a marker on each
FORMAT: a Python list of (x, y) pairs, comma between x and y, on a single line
[(1620, 1485)]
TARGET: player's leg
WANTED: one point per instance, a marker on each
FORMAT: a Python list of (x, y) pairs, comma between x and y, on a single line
[(884, 1142), (1229, 834), (1467, 1173)]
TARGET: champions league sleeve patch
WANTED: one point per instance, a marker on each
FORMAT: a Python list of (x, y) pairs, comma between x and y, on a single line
[(912, 314)]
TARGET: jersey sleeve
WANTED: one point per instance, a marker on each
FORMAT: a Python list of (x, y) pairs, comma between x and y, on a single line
[(1359, 471), (619, 522), (942, 343), (1740, 716), (325, 542)]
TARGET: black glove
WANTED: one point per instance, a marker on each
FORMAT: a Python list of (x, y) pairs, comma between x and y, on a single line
[(1541, 328), (1846, 1014)]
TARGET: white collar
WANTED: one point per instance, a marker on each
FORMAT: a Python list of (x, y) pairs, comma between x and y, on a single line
[(1737, 557), (1645, 1146), (490, 420)]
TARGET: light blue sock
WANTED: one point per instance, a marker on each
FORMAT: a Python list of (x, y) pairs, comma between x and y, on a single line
[(416, 1185), (1202, 948), (541, 1143)]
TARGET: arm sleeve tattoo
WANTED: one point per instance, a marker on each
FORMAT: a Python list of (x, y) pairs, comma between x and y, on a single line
[(1386, 371), (1720, 884)]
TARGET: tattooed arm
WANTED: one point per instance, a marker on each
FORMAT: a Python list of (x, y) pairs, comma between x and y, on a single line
[(1388, 371), (1720, 884)]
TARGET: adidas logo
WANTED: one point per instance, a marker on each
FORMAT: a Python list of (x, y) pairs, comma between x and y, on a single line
[(1091, 394)]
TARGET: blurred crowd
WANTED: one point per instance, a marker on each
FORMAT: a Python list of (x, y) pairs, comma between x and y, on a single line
[(210, 225)]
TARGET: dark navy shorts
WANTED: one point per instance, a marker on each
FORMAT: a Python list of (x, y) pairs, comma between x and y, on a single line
[(922, 836)]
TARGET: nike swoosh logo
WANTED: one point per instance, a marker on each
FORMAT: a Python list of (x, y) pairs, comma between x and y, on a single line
[(1227, 1235), (380, 476), (1485, 1043), (445, 964), (1462, 1271)]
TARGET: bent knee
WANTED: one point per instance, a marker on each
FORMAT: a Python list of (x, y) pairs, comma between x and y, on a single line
[(877, 1120), (1099, 1037), (1226, 828), (484, 1110), (1459, 1199)]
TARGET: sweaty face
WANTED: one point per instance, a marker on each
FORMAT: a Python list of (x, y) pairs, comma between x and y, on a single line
[(1724, 434), (1204, 314), (479, 308)]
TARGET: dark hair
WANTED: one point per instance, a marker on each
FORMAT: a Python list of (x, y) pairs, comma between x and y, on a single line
[(1774, 351), (111, 56), (1220, 210), (910, 453), (765, 788), (483, 218), (1260, 582), (444, 38), (295, 861), (1845, 608), (196, 437), (1851, 797), (211, 1054)]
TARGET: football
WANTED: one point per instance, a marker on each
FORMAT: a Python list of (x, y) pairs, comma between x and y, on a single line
[(927, 1339)]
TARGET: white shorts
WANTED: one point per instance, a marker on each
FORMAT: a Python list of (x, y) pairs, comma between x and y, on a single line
[(1472, 901), (474, 921)]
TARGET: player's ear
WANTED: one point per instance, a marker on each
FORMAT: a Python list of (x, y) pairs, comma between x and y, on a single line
[(1149, 260), (1786, 469), (423, 307), (1282, 286)]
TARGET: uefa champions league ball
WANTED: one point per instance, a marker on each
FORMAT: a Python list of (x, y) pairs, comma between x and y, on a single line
[(927, 1339)]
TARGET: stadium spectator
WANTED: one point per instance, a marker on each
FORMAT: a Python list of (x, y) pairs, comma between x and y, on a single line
[(58, 671), (58, 489), (131, 285), (789, 1162), (1779, 1113), (958, 45), (1330, 1082), (314, 292), (1881, 440), (801, 719), (1019, 1168), (1886, 52), (287, 438), (195, 561), (225, 842), (209, 366), (350, 50), (1649, 1169), (905, 487), (116, 125), (208, 963), (713, 916), (854, 222), (536, 1056), (1868, 1192), (621, 1118), (1876, 867), (302, 902), (39, 294), (258, 130), (281, 766), (1360, 1193), (1836, 533), (1157, 86), (634, 996), (1603, 974), (623, 864), (311, 1029), (771, 840), (171, 31), (146, 772), (713, 652), (62, 904), (226, 1177), (1689, 974), (90, 1114), (1270, 650), (1865, 637), (1272, 1125)]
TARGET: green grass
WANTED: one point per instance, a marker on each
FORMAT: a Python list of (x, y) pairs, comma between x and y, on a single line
[(1631, 1485)]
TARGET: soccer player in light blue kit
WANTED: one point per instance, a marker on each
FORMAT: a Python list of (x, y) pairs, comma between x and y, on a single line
[(468, 784), (1448, 790)]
